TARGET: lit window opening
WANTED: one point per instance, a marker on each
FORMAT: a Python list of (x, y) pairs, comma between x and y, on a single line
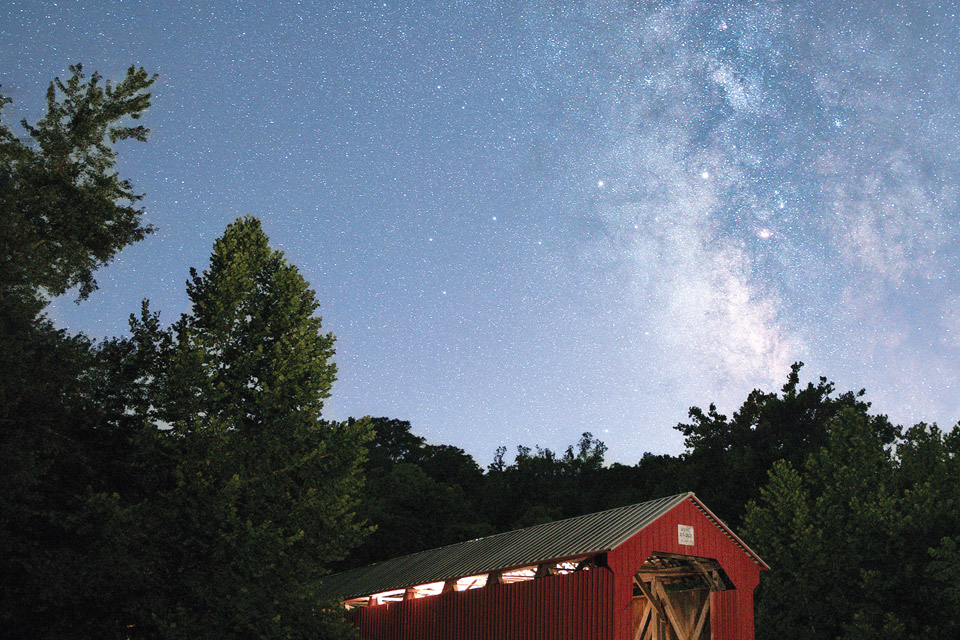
[(466, 583)]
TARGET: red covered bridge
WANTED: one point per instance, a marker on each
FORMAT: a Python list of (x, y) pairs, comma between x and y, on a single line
[(661, 570)]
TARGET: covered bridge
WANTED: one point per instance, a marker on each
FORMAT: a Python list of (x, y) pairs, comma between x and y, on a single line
[(660, 570)]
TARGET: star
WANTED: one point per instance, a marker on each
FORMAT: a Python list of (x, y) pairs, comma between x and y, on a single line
[(410, 119)]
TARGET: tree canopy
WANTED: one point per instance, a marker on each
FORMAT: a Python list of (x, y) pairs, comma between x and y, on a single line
[(264, 491), (66, 212), (861, 536), (727, 459), (180, 482)]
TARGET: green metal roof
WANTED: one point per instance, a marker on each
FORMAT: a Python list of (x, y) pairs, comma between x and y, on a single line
[(580, 536)]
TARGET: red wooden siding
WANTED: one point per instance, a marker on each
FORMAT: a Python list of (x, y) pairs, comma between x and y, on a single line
[(585, 605), (732, 611), (575, 606)]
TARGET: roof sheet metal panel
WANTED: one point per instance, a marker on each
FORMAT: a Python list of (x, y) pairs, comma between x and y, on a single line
[(583, 535)]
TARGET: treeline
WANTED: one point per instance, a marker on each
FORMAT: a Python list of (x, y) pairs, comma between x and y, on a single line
[(859, 519), (420, 494), (182, 482)]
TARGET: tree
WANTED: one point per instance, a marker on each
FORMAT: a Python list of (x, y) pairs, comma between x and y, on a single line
[(452, 466), (417, 496), (180, 482), (393, 442), (861, 541), (540, 486), (917, 542), (727, 459), (64, 212), (411, 512), (821, 531), (263, 490), (654, 476)]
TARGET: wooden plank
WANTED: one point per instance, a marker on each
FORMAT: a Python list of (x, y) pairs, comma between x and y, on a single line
[(709, 575), (701, 621), (678, 627), (648, 593), (644, 621), (667, 571)]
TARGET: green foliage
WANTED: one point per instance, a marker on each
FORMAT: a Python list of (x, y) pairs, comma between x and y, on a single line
[(69, 563), (727, 459), (65, 211), (263, 491), (393, 442), (421, 496), (540, 485), (412, 511), (654, 476), (220, 521), (859, 543), (418, 496), (942, 571)]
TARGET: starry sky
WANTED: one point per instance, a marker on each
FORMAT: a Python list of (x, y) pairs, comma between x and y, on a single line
[(526, 220)]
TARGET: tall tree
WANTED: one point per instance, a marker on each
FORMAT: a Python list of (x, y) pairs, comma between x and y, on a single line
[(264, 491), (821, 530), (64, 212)]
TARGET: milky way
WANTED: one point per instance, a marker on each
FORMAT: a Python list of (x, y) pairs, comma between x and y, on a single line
[(528, 220)]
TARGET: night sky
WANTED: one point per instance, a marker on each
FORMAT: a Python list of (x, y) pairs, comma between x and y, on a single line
[(528, 220)]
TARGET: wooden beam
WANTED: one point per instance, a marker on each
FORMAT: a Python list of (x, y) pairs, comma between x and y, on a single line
[(544, 570), (667, 571), (702, 619), (648, 593), (709, 575), (678, 627), (644, 621)]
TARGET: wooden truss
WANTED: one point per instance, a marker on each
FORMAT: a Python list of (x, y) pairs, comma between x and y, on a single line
[(672, 597)]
